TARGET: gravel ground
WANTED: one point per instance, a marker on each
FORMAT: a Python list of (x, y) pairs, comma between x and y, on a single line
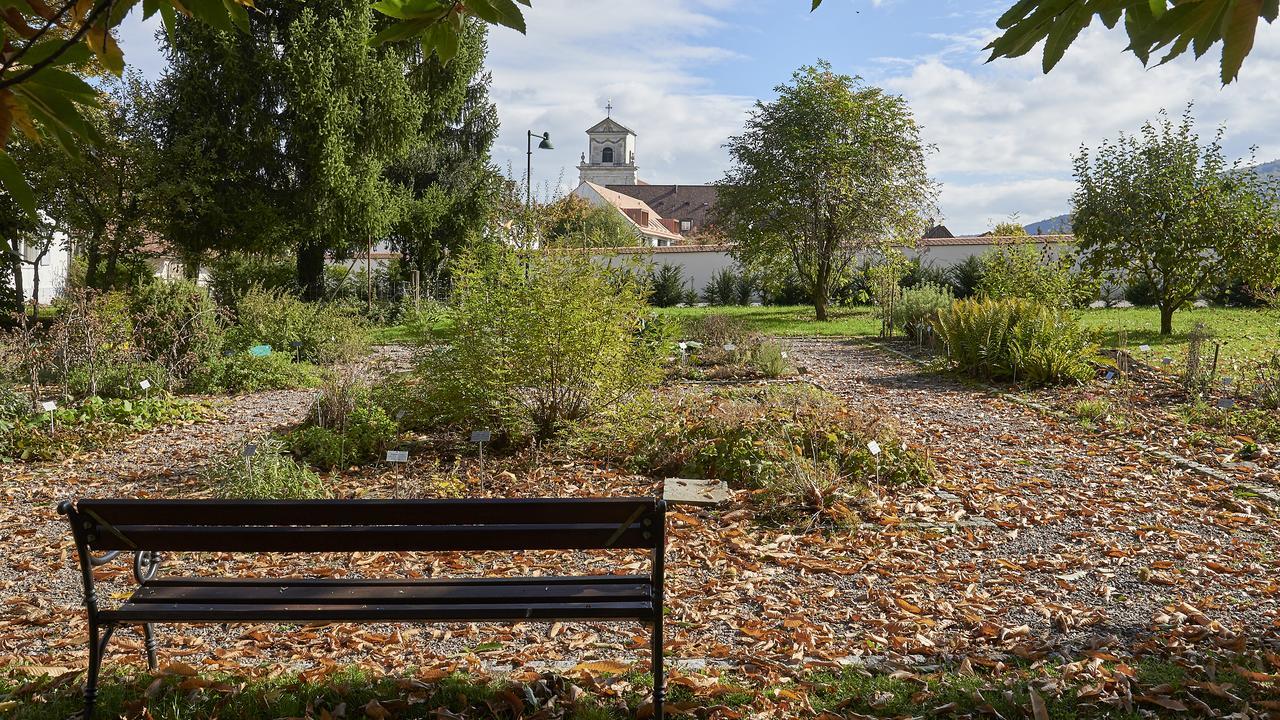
[(1037, 541)]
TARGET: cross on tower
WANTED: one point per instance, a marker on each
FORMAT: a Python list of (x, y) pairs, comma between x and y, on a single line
[(608, 109)]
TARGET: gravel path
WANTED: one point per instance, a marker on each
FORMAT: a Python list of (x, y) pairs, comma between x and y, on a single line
[(1037, 541)]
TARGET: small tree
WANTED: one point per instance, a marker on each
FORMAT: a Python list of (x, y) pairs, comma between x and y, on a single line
[(1159, 207), (828, 169)]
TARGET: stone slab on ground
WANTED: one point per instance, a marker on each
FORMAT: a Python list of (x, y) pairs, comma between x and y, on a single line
[(693, 491)]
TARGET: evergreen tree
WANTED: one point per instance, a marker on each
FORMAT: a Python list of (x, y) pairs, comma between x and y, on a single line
[(451, 188)]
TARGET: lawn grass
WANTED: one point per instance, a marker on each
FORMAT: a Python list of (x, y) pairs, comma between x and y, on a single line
[(790, 320), (351, 692), (1245, 334)]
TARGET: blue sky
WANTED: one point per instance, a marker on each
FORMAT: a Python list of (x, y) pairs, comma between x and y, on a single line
[(684, 73)]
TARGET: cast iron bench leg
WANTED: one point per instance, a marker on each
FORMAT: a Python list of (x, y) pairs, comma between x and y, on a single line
[(149, 634), (659, 677), (98, 639)]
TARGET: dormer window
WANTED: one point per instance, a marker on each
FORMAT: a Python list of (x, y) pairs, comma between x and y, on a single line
[(606, 155)]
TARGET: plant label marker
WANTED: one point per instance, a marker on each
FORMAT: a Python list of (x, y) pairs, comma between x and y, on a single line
[(145, 384), (49, 406), (1227, 380), (874, 447), (1144, 348), (730, 347), (249, 450), (260, 351), (1111, 375), (480, 437), (1166, 361), (397, 456), (1226, 403)]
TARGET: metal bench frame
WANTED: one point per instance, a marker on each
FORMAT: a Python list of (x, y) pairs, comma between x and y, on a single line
[(148, 528)]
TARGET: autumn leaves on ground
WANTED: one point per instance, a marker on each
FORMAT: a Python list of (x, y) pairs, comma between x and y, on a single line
[(1048, 570)]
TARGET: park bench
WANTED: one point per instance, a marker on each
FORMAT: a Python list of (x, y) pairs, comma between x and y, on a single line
[(103, 529)]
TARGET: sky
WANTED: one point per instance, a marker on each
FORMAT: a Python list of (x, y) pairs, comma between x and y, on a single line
[(684, 74)]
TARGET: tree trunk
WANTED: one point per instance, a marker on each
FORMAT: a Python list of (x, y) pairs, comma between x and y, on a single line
[(113, 257), (311, 271), (35, 288), (820, 305), (19, 297), (1166, 318), (91, 258)]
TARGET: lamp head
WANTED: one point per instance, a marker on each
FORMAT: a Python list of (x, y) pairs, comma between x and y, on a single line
[(546, 142)]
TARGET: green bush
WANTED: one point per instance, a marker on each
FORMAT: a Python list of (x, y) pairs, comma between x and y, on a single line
[(919, 305), (770, 358), (121, 379), (176, 325), (540, 340), (269, 474), (233, 275), (12, 405), (966, 276), (315, 332), (666, 286), (1015, 339), (722, 289), (346, 427), (1024, 271), (242, 372)]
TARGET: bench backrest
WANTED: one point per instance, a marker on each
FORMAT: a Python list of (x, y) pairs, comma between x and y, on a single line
[(367, 525)]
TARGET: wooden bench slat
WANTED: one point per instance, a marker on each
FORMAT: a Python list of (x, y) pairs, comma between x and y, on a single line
[(551, 511), (376, 538), (183, 612), (392, 594), (186, 581)]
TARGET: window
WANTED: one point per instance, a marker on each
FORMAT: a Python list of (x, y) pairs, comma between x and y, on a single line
[(606, 155), (686, 225)]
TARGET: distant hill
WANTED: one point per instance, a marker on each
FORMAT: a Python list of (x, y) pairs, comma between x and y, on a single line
[(1062, 223)]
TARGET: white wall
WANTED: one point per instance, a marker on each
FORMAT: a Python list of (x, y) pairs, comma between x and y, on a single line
[(53, 271), (697, 266)]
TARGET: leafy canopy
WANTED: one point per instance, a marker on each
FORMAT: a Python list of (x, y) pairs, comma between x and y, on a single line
[(50, 50), (1153, 26), (1159, 208), (825, 171)]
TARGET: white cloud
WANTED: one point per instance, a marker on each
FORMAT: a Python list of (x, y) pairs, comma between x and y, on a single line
[(646, 60), (1005, 132)]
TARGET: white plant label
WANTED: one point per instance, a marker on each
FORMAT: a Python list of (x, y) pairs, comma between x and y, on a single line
[(397, 456), (874, 447), (730, 347), (784, 356), (1144, 348), (145, 384), (49, 405)]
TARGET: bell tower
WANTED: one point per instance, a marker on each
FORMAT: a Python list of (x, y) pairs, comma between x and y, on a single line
[(611, 153)]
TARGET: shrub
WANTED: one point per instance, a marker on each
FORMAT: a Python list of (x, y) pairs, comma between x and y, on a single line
[(770, 358), (12, 405), (919, 305), (722, 289), (1266, 382), (1092, 410), (966, 276), (666, 286), (802, 449), (540, 340), (925, 273), (121, 380), (177, 326), (233, 275), (269, 474), (1024, 271), (1142, 292), (316, 332), (345, 427), (744, 287), (1016, 339), (242, 372), (91, 423)]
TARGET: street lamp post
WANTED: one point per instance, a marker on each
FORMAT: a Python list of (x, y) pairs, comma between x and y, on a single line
[(528, 177)]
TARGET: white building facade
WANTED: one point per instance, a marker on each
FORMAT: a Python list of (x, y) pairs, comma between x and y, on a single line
[(610, 158)]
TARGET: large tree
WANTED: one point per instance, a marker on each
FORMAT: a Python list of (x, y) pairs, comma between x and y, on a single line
[(828, 169), (450, 186), (288, 150), (1161, 207)]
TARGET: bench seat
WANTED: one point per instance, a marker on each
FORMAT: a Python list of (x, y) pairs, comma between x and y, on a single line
[(358, 599)]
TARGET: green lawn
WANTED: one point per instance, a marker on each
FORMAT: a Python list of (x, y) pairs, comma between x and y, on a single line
[(1244, 334), (791, 320)]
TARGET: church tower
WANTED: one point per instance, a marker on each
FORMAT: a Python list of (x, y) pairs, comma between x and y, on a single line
[(611, 154)]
